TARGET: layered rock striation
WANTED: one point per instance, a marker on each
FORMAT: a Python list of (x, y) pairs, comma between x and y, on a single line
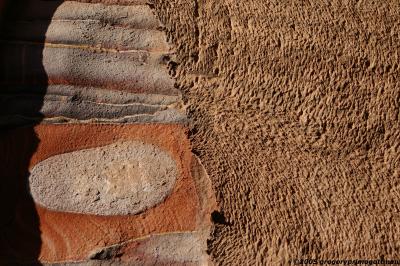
[(110, 178)]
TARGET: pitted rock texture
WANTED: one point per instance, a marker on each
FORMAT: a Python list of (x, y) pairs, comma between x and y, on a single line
[(296, 118), (118, 179)]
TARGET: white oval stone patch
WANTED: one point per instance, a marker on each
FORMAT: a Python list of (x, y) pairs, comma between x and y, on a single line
[(118, 179)]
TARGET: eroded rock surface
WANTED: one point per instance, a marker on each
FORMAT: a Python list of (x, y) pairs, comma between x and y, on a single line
[(295, 106), (117, 179), (70, 61), (97, 167), (181, 211)]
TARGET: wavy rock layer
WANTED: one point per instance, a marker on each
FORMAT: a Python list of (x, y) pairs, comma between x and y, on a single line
[(108, 53), (109, 167)]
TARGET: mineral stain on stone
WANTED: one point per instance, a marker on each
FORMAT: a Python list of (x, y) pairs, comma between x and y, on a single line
[(118, 179)]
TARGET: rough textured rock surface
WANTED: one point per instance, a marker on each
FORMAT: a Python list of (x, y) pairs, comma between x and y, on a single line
[(65, 103), (96, 165), (72, 237), (96, 62), (171, 249), (179, 249), (118, 179), (295, 109)]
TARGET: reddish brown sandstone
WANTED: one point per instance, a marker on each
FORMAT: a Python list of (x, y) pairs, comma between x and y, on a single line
[(72, 237), (79, 64)]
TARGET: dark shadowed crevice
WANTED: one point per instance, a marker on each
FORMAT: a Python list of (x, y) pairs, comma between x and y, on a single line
[(21, 73)]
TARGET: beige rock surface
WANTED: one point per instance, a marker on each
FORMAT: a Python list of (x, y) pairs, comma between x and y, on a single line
[(178, 249), (118, 179), (295, 109)]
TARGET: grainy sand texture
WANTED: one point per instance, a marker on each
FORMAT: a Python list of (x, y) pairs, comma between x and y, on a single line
[(295, 110), (199, 132)]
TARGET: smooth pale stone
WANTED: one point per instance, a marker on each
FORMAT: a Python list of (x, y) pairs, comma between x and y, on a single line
[(118, 179)]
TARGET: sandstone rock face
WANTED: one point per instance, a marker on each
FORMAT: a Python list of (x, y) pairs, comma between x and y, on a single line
[(185, 209), (65, 103), (296, 111), (98, 168), (95, 62), (117, 179), (293, 109), (176, 249)]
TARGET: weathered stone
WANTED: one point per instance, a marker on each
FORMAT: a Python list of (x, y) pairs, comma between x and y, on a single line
[(133, 71), (185, 248), (183, 210), (134, 15), (117, 179), (92, 33), (65, 103), (115, 193), (295, 108)]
